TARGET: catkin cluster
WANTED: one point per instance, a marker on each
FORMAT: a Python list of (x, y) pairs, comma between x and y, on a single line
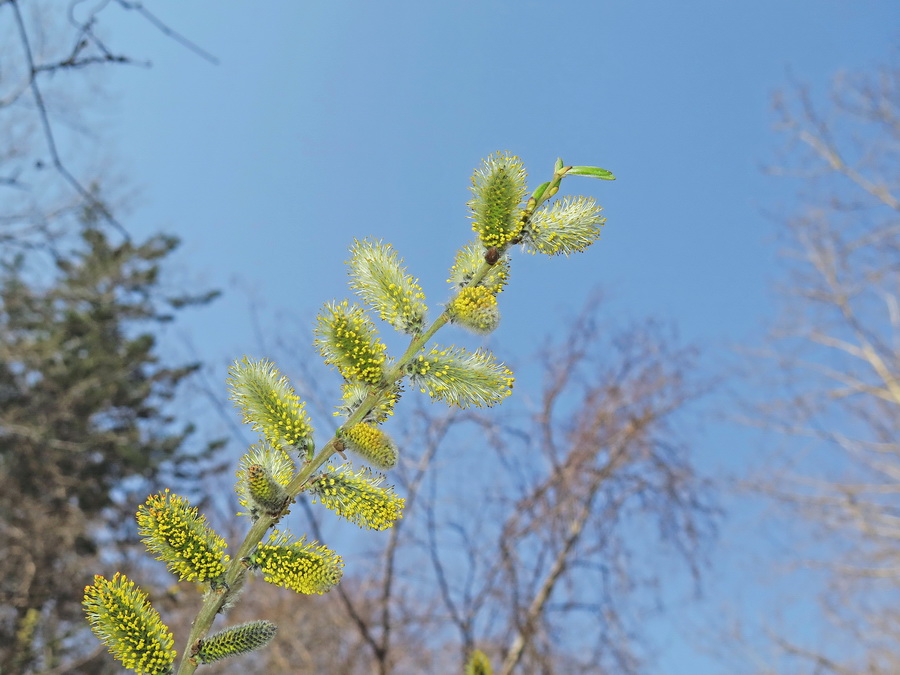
[(284, 463)]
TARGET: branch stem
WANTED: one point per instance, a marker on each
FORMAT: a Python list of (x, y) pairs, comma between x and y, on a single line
[(234, 573)]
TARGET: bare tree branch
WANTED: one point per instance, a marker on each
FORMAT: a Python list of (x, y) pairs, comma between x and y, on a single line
[(837, 360), (48, 130), (168, 31)]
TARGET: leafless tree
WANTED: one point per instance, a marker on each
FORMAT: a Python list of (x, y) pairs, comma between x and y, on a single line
[(543, 536), (836, 354), (53, 165), (73, 284)]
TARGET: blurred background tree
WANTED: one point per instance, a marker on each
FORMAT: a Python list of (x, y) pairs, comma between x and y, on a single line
[(86, 414), (546, 535), (86, 423), (53, 111), (835, 358)]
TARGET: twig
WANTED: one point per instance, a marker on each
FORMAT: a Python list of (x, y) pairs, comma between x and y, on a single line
[(167, 31), (48, 130)]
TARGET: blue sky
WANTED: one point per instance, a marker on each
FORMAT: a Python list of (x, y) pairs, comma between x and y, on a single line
[(339, 120), (325, 122)]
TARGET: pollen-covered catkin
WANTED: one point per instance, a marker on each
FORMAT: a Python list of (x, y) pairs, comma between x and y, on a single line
[(122, 617)]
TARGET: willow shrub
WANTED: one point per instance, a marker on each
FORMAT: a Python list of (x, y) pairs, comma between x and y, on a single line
[(285, 462)]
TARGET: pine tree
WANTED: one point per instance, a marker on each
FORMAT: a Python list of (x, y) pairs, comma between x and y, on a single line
[(84, 403)]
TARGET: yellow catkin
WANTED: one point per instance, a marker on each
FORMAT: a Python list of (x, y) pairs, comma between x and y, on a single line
[(173, 529), (372, 444), (123, 619), (476, 309), (308, 568), (358, 497)]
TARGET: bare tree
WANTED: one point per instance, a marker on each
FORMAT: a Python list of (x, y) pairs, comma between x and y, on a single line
[(837, 358), (52, 166), (604, 469), (85, 402), (539, 539)]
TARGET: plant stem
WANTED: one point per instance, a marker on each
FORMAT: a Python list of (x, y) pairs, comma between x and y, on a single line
[(234, 573), (236, 570)]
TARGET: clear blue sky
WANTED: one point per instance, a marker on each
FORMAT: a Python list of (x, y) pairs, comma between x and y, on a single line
[(328, 121)]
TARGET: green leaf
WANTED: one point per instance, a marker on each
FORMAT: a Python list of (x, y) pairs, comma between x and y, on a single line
[(539, 191), (594, 171), (558, 165)]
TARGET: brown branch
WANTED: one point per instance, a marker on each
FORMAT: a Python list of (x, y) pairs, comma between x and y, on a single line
[(439, 430), (168, 31), (536, 608), (48, 130), (831, 155)]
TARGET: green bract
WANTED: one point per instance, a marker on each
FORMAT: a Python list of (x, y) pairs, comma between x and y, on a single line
[(594, 171)]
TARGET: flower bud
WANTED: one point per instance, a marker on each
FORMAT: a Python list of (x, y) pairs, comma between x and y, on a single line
[(475, 308), (235, 640), (267, 494), (372, 444)]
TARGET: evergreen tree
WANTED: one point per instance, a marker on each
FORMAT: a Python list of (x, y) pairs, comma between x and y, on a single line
[(84, 411)]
